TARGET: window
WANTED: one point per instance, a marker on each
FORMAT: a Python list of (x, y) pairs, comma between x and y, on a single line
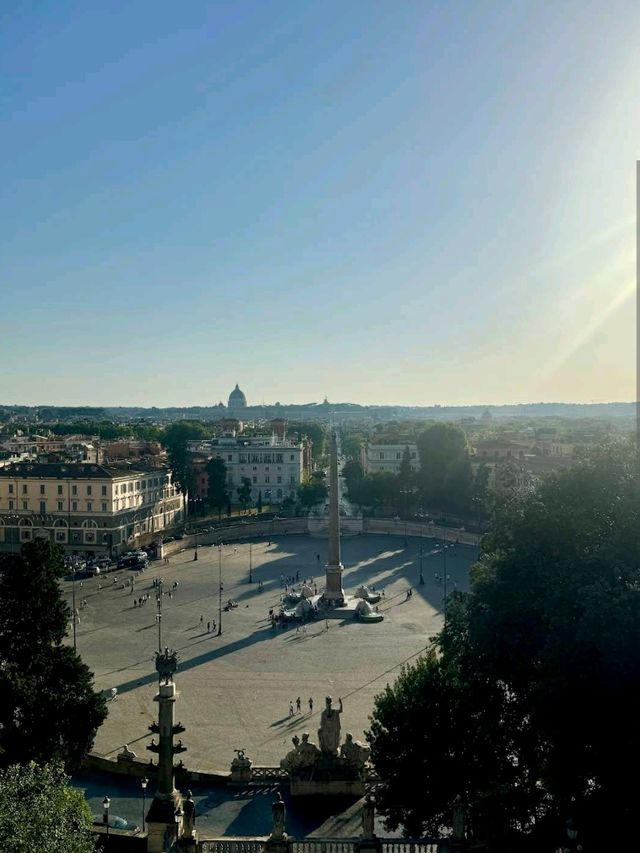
[(61, 536), (43, 507), (24, 489), (60, 506), (144, 484), (89, 506), (382, 456), (10, 488), (266, 479), (25, 505), (292, 457), (398, 455), (137, 485), (89, 490), (74, 490), (292, 479), (229, 457), (130, 487), (74, 506), (255, 479), (278, 457), (279, 479), (10, 504), (104, 506), (59, 489), (103, 491), (41, 489)]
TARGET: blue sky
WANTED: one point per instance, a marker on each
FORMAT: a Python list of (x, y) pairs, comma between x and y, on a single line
[(394, 202)]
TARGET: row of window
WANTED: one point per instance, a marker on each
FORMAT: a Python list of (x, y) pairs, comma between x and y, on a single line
[(140, 485), (260, 458), (74, 489)]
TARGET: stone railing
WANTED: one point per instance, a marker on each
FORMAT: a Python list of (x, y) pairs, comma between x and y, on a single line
[(232, 845)]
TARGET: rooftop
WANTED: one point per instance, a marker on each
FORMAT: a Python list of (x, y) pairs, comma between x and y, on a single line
[(75, 470)]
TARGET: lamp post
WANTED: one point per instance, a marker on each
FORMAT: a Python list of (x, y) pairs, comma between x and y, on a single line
[(421, 581), (177, 816), (143, 784), (159, 614), (250, 563), (195, 553), (105, 812), (444, 581), (219, 589)]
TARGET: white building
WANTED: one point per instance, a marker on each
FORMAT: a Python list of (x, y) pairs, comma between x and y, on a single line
[(98, 509), (388, 457), (273, 465)]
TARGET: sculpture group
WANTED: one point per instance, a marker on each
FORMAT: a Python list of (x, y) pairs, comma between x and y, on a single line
[(331, 766)]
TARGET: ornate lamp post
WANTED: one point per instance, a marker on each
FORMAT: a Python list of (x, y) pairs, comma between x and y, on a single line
[(143, 784), (105, 812), (219, 589)]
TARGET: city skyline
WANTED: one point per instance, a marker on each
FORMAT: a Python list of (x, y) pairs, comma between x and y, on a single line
[(414, 202)]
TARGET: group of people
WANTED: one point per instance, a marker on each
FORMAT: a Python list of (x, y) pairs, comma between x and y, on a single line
[(211, 626), (299, 706)]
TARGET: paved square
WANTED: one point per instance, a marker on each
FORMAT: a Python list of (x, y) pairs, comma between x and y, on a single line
[(235, 689)]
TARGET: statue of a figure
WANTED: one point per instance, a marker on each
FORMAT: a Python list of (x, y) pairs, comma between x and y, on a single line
[(329, 731), (367, 818), (308, 752), (458, 819), (278, 813), (354, 752), (166, 664), (189, 820)]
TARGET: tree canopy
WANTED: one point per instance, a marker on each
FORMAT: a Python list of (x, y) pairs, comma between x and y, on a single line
[(244, 492), (175, 440), (217, 493), (445, 469), (40, 811), (527, 704), (312, 493), (50, 709)]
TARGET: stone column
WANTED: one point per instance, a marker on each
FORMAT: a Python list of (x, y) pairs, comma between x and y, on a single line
[(161, 815), (334, 594)]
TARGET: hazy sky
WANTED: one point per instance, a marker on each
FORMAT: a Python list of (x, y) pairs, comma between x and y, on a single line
[(377, 200)]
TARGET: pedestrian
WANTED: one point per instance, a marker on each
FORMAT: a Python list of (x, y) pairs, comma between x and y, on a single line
[(318, 557), (213, 625), (326, 624), (208, 627), (298, 705), (201, 621), (310, 705), (291, 709)]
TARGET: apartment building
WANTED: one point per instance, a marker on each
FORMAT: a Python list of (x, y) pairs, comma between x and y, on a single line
[(275, 466), (95, 509), (387, 457)]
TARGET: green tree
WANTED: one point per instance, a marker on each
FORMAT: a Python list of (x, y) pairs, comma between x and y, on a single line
[(539, 663), (50, 709), (39, 810), (175, 439), (217, 493), (316, 432), (312, 493), (445, 470), (244, 493), (405, 475)]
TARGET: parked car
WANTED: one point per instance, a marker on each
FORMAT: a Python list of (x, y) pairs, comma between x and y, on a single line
[(116, 822)]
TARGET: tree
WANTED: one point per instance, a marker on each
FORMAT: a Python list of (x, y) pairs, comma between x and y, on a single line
[(445, 469), (405, 475), (217, 495), (50, 709), (244, 492), (39, 810), (312, 493), (175, 440), (535, 668)]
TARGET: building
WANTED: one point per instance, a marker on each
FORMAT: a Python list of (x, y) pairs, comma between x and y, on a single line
[(274, 466), (237, 402), (388, 457), (94, 509)]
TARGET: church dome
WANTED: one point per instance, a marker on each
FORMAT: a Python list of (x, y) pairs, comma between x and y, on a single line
[(237, 400)]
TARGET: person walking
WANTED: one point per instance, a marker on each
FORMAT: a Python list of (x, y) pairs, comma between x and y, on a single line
[(291, 709), (201, 621), (298, 705), (310, 704)]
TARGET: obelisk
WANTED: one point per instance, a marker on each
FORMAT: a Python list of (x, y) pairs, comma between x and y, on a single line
[(333, 594)]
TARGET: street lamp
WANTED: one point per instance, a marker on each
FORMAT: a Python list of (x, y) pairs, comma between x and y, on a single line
[(177, 816), (195, 553), (143, 784), (421, 575), (105, 812), (159, 614), (219, 589), (250, 563)]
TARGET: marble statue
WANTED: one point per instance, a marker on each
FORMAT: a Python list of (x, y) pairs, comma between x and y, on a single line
[(367, 818), (354, 752), (189, 820), (329, 731), (303, 754), (278, 814)]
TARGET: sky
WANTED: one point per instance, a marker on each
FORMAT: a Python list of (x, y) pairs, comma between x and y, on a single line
[(381, 202)]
